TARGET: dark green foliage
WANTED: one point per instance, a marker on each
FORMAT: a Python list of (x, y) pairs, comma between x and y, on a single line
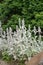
[(30, 10), (6, 57)]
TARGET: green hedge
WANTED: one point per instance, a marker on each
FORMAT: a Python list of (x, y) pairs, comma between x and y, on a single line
[(30, 10)]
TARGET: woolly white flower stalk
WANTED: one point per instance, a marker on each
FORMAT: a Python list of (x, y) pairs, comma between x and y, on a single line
[(20, 42)]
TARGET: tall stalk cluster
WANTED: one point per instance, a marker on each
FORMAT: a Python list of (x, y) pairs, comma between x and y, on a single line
[(21, 42)]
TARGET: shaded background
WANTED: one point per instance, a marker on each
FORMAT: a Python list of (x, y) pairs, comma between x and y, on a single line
[(30, 10)]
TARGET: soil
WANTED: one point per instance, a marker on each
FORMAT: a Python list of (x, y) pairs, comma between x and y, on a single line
[(7, 63)]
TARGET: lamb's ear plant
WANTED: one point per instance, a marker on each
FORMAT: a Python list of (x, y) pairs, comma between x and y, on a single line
[(20, 42)]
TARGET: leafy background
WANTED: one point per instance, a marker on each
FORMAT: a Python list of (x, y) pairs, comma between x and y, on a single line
[(30, 10)]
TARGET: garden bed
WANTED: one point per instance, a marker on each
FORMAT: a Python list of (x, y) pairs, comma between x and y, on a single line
[(3, 62)]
